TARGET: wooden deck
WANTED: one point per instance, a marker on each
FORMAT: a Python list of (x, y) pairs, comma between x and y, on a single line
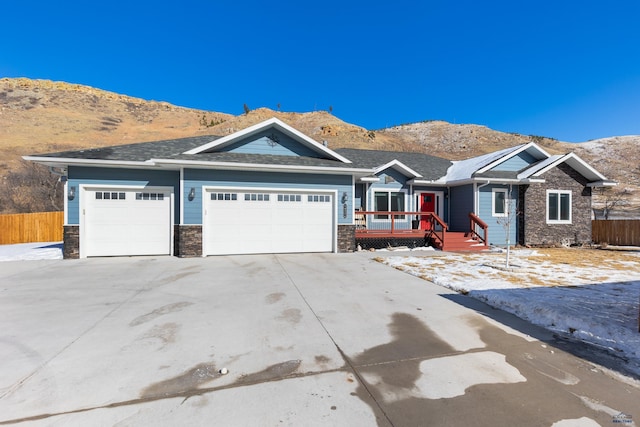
[(417, 228)]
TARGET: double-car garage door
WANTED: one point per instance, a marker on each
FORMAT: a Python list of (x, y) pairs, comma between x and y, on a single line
[(125, 222), (253, 222)]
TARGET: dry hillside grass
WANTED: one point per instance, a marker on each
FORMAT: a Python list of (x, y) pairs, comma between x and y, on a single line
[(39, 116)]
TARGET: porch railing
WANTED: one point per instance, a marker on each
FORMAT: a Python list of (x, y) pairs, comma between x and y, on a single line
[(372, 224), (476, 223)]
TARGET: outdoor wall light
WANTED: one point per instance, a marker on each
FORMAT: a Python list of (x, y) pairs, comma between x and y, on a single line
[(72, 193), (192, 194), (345, 197)]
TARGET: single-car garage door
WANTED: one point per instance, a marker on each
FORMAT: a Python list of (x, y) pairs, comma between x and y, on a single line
[(126, 222), (253, 222)]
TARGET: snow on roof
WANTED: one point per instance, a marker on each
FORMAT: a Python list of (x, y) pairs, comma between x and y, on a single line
[(464, 169)]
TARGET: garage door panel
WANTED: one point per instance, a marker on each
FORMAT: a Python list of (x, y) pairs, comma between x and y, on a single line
[(132, 223), (268, 222)]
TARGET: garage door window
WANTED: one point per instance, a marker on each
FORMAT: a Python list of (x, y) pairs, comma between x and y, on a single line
[(289, 198), (224, 196), (256, 197), (318, 198), (149, 196), (108, 195)]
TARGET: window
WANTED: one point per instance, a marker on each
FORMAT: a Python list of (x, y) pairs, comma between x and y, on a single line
[(558, 207), (106, 195), (224, 196), (256, 197), (318, 198), (289, 198), (499, 202), (390, 201), (149, 196)]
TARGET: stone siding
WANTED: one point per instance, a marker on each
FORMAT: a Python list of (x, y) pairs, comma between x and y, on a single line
[(187, 240), (346, 238), (533, 204), (71, 242)]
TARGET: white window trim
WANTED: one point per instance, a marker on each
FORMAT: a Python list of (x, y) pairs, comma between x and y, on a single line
[(559, 221), (388, 191), (493, 202)]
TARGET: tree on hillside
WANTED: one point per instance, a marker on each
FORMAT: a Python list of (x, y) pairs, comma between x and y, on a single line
[(246, 109), (31, 188)]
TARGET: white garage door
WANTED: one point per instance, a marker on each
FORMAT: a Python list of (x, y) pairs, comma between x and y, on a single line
[(253, 222), (126, 222)]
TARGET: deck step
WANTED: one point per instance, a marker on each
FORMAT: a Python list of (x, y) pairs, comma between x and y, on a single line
[(459, 242)]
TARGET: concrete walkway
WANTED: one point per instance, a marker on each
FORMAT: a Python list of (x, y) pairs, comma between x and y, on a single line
[(325, 339)]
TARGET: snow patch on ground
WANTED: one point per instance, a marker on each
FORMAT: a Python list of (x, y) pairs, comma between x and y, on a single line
[(592, 302), (31, 251)]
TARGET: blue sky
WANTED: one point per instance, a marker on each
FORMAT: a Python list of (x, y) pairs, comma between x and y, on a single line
[(563, 69)]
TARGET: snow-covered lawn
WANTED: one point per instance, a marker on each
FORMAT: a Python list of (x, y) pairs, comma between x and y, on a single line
[(31, 251), (590, 294)]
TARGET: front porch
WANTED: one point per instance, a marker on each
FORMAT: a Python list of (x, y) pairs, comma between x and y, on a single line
[(380, 229)]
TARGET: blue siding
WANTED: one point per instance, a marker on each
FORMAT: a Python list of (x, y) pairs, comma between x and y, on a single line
[(114, 176), (197, 178), (497, 230), (445, 207), (516, 163), (271, 142), (461, 204)]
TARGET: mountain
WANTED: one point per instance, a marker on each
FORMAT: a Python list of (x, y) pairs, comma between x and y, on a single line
[(38, 116)]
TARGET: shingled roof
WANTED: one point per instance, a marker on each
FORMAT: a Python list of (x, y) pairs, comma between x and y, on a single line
[(430, 167)]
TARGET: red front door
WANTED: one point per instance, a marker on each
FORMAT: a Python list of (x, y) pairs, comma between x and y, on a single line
[(427, 204)]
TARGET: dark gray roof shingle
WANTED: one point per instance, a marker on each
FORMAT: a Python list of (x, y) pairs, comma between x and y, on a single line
[(139, 152), (430, 167)]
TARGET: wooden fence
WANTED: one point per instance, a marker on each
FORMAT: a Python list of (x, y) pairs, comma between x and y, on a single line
[(622, 232), (31, 227)]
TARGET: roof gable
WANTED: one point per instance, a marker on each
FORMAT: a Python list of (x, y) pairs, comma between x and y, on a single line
[(573, 161), (273, 137), (502, 162), (518, 156), (399, 167)]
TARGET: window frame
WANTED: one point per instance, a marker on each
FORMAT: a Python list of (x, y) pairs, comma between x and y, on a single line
[(505, 204), (382, 217), (559, 219)]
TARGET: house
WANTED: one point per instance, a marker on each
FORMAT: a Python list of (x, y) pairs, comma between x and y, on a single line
[(271, 189)]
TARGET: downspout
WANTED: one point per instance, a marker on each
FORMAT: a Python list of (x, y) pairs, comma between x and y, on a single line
[(65, 201), (476, 196)]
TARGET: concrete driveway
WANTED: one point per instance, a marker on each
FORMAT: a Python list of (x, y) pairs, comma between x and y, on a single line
[(330, 339)]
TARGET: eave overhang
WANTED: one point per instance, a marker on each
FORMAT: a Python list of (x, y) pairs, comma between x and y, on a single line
[(68, 161), (177, 164)]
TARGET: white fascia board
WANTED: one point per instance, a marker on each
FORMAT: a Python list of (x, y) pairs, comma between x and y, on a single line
[(398, 165), (260, 167), (512, 154), (579, 165), (369, 179), (602, 184), (272, 122), (490, 181), (417, 181), (57, 161)]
